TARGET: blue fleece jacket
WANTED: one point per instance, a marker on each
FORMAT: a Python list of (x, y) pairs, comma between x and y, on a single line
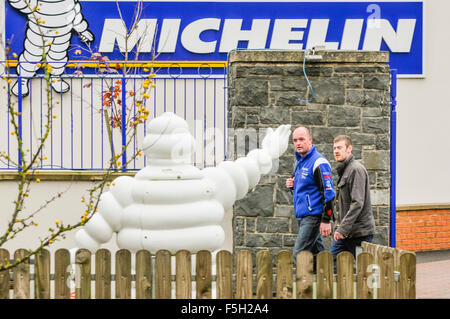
[(313, 186)]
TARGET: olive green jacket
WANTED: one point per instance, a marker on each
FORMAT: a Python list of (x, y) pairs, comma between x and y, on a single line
[(353, 208)]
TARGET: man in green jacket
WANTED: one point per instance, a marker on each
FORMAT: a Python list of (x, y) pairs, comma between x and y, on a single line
[(355, 222)]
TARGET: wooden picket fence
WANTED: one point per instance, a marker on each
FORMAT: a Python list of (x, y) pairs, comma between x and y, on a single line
[(397, 270), (153, 277)]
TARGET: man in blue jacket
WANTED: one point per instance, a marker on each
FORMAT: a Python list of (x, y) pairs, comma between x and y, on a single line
[(313, 194)]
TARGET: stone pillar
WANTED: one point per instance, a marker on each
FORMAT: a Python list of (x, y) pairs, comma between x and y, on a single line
[(351, 96)]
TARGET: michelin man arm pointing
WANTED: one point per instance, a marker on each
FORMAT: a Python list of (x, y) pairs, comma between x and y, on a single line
[(246, 172), (170, 204)]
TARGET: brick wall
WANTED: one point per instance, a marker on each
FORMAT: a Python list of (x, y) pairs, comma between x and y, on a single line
[(423, 228)]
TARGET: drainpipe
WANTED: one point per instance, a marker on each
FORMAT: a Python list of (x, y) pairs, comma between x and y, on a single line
[(393, 138)]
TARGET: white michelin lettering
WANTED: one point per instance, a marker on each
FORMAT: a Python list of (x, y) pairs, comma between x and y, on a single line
[(352, 34), (190, 38), (375, 15), (287, 34), (232, 34), (283, 33), (169, 35), (399, 40), (318, 33), (115, 31)]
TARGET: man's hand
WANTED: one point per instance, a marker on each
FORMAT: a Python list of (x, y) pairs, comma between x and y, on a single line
[(325, 229), (290, 182), (338, 235)]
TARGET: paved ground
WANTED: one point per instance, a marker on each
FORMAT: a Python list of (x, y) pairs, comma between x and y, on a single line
[(433, 274)]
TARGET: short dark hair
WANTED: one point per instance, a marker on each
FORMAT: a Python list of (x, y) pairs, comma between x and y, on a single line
[(345, 138)]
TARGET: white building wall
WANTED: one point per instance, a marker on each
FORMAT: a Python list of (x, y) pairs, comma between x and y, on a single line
[(423, 132)]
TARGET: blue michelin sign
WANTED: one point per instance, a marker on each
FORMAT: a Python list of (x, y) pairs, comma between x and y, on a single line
[(181, 31)]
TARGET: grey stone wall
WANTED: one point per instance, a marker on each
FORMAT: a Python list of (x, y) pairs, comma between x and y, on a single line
[(351, 96)]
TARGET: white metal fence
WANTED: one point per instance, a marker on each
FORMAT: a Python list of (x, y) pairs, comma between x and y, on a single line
[(79, 138)]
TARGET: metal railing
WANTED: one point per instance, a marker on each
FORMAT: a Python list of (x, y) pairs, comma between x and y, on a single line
[(79, 137)]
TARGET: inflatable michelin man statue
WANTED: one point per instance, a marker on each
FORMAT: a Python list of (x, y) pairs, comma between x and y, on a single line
[(170, 204), (50, 24)]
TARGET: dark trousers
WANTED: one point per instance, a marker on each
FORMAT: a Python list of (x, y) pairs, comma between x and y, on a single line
[(347, 244), (308, 237)]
